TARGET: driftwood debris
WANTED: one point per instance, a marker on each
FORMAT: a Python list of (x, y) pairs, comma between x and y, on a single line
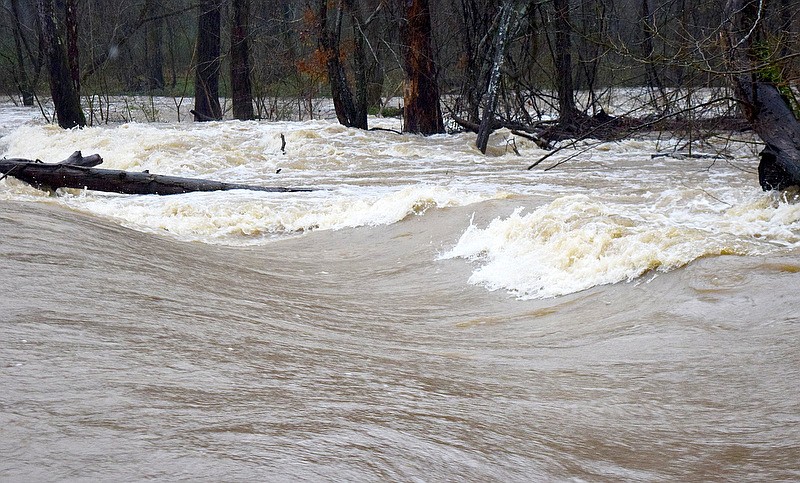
[(78, 171)]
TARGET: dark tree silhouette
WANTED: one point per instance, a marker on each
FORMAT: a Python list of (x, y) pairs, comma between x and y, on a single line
[(240, 61), (207, 54), (21, 78), (421, 112), (351, 110), (154, 41), (66, 98), (567, 111)]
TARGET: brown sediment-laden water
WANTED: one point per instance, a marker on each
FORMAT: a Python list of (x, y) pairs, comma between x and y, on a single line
[(429, 314)]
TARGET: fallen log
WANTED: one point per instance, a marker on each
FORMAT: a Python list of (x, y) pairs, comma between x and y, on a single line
[(79, 172)]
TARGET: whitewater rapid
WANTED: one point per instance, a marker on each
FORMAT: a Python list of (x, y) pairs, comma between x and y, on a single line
[(612, 213)]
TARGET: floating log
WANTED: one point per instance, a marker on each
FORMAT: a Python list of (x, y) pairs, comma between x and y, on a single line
[(79, 172)]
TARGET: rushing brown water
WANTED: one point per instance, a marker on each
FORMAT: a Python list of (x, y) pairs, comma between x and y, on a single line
[(196, 337)]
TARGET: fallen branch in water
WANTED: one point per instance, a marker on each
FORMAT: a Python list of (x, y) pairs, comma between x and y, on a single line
[(79, 172)]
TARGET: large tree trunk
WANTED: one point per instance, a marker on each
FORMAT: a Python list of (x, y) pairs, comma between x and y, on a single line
[(206, 84), (66, 98), (80, 172), (329, 39), (421, 112), (240, 62), (359, 65), (73, 55), (567, 111), (761, 101)]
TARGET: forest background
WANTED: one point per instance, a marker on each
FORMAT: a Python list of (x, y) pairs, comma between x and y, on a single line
[(547, 69)]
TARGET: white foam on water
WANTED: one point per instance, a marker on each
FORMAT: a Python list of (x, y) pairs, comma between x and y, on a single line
[(248, 218), (575, 242), (611, 213)]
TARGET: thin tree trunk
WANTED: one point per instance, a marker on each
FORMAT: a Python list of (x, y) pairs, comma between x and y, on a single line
[(173, 64), (422, 113), (206, 84), (240, 62), (647, 22), (21, 75), (155, 51), (494, 78), (65, 96)]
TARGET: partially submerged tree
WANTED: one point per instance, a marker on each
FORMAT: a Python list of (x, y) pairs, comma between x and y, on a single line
[(63, 88), (154, 43), (568, 113), (207, 60), (422, 113), (504, 28), (762, 102), (349, 103), (241, 87)]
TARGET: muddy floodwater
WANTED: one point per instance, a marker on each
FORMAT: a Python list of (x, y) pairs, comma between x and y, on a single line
[(429, 314)]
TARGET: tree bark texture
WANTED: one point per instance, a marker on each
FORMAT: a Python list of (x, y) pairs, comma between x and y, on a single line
[(422, 113), (349, 112), (359, 65), (240, 62), (568, 113), (494, 77), (207, 55), (80, 172), (762, 103), (66, 98), (73, 55)]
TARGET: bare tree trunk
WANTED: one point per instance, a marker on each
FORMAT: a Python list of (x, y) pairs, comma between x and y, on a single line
[(647, 22), (422, 113), (24, 84), (359, 119), (377, 28), (494, 78), (73, 55), (761, 101), (329, 40), (476, 23), (206, 84), (155, 51), (65, 96), (568, 113), (240, 62)]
